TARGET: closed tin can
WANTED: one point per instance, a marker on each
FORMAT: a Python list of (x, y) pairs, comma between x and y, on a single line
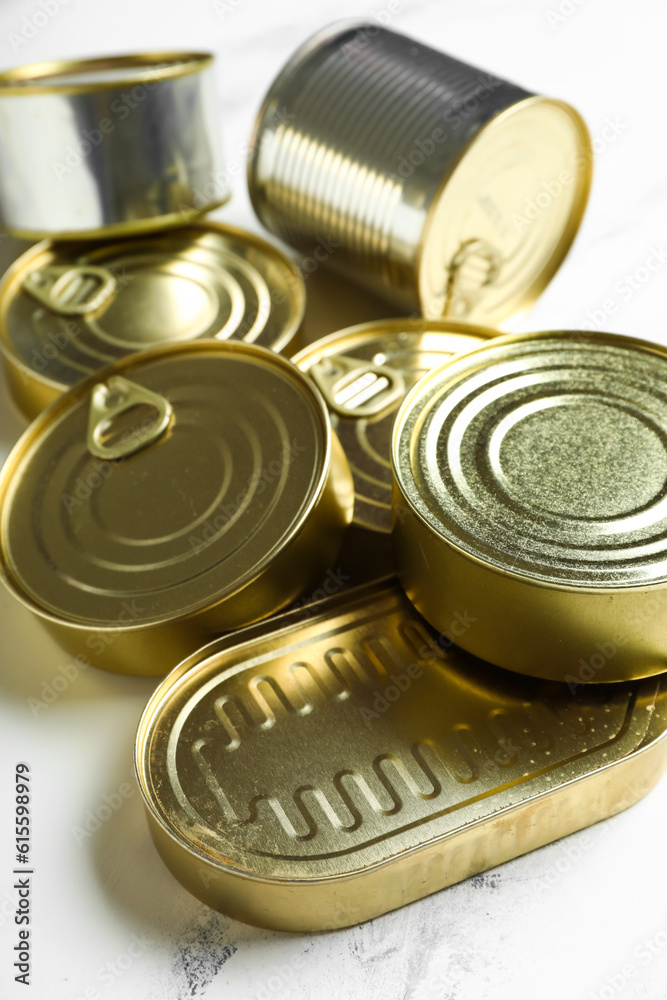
[(308, 775), (69, 309), (364, 373), (108, 146), (530, 488), (184, 492), (446, 190)]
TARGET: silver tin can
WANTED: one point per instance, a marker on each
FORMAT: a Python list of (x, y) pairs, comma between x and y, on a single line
[(446, 190), (106, 146)]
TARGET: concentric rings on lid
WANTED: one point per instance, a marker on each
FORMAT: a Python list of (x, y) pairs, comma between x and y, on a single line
[(543, 459)]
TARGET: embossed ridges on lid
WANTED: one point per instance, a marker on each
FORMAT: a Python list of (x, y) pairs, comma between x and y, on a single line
[(319, 770), (531, 477), (69, 309), (226, 501), (404, 347)]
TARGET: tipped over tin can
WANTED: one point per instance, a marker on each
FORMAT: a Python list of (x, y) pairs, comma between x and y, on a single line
[(67, 309), (447, 190), (531, 488), (184, 492), (364, 373), (109, 146), (310, 775)]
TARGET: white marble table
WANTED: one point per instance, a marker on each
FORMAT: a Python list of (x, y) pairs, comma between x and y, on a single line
[(583, 918)]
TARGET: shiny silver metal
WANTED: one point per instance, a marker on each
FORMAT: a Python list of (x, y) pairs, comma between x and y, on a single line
[(444, 189), (109, 146)]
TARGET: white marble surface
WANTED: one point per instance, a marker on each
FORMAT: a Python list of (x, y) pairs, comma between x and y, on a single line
[(569, 920)]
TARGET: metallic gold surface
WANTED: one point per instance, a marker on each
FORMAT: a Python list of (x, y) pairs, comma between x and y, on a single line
[(69, 309), (314, 773), (226, 516), (371, 351), (530, 485), (444, 189), (71, 130)]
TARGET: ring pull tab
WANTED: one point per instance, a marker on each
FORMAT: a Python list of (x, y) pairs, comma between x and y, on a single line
[(72, 290), (118, 396), (355, 388), (474, 266)]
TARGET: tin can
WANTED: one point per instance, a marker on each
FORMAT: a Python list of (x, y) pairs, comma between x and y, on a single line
[(364, 373), (69, 309), (186, 491), (530, 488), (445, 189), (307, 775), (109, 146)]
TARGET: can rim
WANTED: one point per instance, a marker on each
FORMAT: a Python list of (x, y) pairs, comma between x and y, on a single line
[(13, 273), (411, 324), (648, 346), (148, 66), (60, 406), (560, 251), (134, 227)]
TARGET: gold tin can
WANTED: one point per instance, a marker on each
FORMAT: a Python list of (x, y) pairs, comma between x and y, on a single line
[(530, 488), (109, 146), (446, 190), (312, 774), (364, 373), (69, 309), (186, 491)]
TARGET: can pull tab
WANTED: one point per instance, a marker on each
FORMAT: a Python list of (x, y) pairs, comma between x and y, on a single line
[(108, 402), (72, 290), (355, 388), (474, 266)]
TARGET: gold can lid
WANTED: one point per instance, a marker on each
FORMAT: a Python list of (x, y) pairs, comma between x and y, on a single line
[(178, 480), (292, 773), (364, 373), (69, 309), (502, 223), (544, 456)]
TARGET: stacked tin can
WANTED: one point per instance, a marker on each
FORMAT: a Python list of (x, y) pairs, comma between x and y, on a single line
[(353, 754)]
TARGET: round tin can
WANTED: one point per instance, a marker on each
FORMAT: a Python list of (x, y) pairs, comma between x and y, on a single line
[(69, 309), (311, 774), (186, 491), (531, 475), (108, 146), (364, 373), (445, 189)]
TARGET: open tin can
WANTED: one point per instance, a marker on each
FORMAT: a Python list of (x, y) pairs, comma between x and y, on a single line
[(184, 492), (308, 775), (530, 487), (69, 309), (448, 191), (109, 146)]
